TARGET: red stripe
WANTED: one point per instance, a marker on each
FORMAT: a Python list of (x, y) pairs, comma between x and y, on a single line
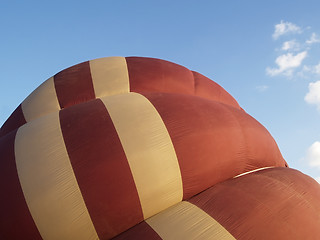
[(279, 203), (261, 148), (155, 75), (101, 168), (15, 120), (206, 88), (15, 219), (138, 232), (74, 85), (213, 141)]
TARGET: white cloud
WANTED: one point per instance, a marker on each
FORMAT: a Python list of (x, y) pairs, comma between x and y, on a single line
[(290, 61), (262, 88), (317, 68), (313, 155), (313, 39), (290, 45), (287, 63), (307, 68), (312, 69), (318, 179), (285, 28), (313, 96)]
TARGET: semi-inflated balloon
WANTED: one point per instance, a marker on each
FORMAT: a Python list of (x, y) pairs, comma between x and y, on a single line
[(142, 148)]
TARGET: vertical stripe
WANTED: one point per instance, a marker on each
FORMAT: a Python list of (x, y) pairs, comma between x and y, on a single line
[(149, 151), (41, 101), (15, 120), (48, 182), (101, 168), (139, 232), (187, 221), (15, 219), (109, 76), (74, 85)]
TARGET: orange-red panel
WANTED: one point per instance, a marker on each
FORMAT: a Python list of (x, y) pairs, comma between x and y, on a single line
[(211, 143), (74, 85), (101, 168), (139, 232), (206, 88), (15, 120), (274, 203), (155, 75), (16, 221)]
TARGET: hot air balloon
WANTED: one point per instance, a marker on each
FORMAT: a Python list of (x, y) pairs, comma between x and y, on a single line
[(142, 148)]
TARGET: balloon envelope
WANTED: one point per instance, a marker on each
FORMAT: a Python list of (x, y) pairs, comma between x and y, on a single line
[(144, 148)]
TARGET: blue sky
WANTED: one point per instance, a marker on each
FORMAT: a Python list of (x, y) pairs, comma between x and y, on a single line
[(265, 53)]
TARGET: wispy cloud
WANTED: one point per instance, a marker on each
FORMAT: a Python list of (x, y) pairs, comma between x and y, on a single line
[(317, 68), (313, 96), (313, 69), (290, 64), (313, 39), (290, 61), (313, 155), (290, 45), (262, 88), (283, 28), (287, 63)]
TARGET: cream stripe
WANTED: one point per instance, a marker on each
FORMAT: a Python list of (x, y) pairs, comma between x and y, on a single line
[(187, 221), (109, 76), (149, 151), (252, 171), (41, 101), (48, 181)]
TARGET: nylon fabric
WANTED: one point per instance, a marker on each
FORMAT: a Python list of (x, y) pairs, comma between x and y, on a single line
[(142, 148), (187, 221), (149, 151), (15, 120), (210, 143), (255, 170), (109, 76), (12, 201), (48, 182), (155, 75), (261, 150), (206, 88), (268, 204), (41, 101), (74, 85), (101, 168), (139, 232)]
